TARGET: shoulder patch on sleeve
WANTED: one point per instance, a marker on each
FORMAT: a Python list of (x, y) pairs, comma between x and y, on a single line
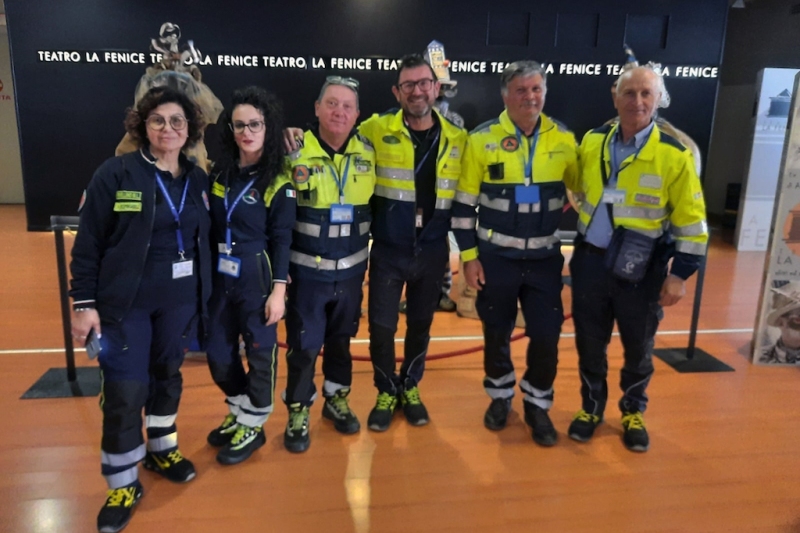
[(291, 193), (484, 128), (672, 141)]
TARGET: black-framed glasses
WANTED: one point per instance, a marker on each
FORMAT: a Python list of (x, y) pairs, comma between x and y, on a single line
[(339, 80), (408, 86), (254, 126), (158, 122)]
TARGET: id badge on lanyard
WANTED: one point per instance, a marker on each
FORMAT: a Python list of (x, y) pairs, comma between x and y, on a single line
[(341, 213), (528, 193), (182, 267), (228, 264)]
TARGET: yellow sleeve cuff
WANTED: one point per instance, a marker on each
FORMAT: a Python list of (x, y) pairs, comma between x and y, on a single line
[(469, 255)]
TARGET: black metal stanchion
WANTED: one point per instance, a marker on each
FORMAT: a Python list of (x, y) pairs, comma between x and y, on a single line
[(692, 359), (70, 381)]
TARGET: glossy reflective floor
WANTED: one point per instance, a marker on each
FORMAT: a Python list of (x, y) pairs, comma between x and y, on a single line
[(723, 455)]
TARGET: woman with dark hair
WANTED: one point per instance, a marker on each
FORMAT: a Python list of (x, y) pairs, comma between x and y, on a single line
[(253, 213), (141, 277)]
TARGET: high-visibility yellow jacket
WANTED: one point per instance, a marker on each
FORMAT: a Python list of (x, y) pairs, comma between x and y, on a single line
[(320, 249), (493, 169), (662, 191), (394, 203)]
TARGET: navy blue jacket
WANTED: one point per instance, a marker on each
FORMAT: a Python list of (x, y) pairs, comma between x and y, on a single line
[(116, 223)]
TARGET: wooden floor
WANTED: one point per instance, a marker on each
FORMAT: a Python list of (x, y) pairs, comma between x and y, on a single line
[(723, 455)]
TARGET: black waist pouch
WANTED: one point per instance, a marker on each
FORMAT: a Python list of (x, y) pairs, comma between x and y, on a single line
[(629, 254)]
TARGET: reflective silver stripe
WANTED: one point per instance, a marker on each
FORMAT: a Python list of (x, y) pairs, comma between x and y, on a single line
[(463, 222), (647, 213), (581, 227), (689, 247), (498, 204), (153, 421), (121, 479), (394, 173), (553, 204), (253, 416), (306, 228), (519, 243), (539, 398), (363, 228), (587, 208), (466, 198), (499, 393), (444, 203), (401, 195), (446, 184), (122, 459), (329, 264), (502, 380), (692, 230), (167, 442), (333, 231), (526, 208)]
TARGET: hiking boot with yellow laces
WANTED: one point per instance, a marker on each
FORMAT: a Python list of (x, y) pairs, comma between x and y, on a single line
[(337, 410), (413, 408), (583, 425), (222, 435), (380, 418), (118, 509), (244, 442), (172, 465), (634, 433), (295, 438)]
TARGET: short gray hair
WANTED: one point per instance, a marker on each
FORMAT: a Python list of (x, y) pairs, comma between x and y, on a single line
[(350, 83), (663, 99), (521, 69)]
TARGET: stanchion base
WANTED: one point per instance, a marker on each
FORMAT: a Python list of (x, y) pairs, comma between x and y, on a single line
[(54, 384), (701, 362)]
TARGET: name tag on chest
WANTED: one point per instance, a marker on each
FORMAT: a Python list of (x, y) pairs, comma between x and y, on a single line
[(230, 266), (342, 214), (526, 194), (182, 269), (613, 196)]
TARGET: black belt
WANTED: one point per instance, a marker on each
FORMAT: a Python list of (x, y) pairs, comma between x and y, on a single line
[(592, 249)]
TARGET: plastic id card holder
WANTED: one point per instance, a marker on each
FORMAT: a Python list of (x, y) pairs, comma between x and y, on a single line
[(182, 268), (230, 266), (526, 194), (613, 196), (342, 214)]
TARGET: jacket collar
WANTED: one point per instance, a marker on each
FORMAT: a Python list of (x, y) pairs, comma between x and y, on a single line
[(545, 123)]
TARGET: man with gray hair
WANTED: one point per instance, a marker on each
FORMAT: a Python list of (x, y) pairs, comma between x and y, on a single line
[(641, 204), (516, 168), (334, 176)]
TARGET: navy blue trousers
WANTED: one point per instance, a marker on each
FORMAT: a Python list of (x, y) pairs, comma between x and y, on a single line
[(321, 314), (598, 300), (421, 273)]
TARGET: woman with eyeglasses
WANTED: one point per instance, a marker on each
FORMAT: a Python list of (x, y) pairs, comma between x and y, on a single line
[(253, 212), (141, 277)]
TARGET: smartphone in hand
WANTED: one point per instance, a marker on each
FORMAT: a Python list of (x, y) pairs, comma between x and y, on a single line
[(92, 344)]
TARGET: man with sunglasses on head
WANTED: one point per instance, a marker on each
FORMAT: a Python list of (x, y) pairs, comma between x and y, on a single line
[(418, 162), (334, 175), (418, 165), (516, 169)]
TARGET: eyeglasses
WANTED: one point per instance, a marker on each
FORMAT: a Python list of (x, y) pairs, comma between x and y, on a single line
[(157, 122), (338, 80), (254, 126), (408, 86)]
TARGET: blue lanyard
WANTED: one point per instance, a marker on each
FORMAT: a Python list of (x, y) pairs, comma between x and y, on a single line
[(229, 212), (340, 183), (176, 213), (531, 151), (615, 168), (425, 157)]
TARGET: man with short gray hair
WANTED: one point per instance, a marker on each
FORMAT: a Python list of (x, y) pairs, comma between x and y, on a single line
[(641, 205), (516, 168)]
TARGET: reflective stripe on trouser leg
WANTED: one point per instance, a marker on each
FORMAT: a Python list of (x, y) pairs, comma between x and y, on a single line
[(250, 415), (329, 388), (539, 398), (119, 469), (502, 387), (234, 403), (121, 479)]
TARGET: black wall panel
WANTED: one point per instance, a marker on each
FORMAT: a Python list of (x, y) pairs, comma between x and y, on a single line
[(70, 114)]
